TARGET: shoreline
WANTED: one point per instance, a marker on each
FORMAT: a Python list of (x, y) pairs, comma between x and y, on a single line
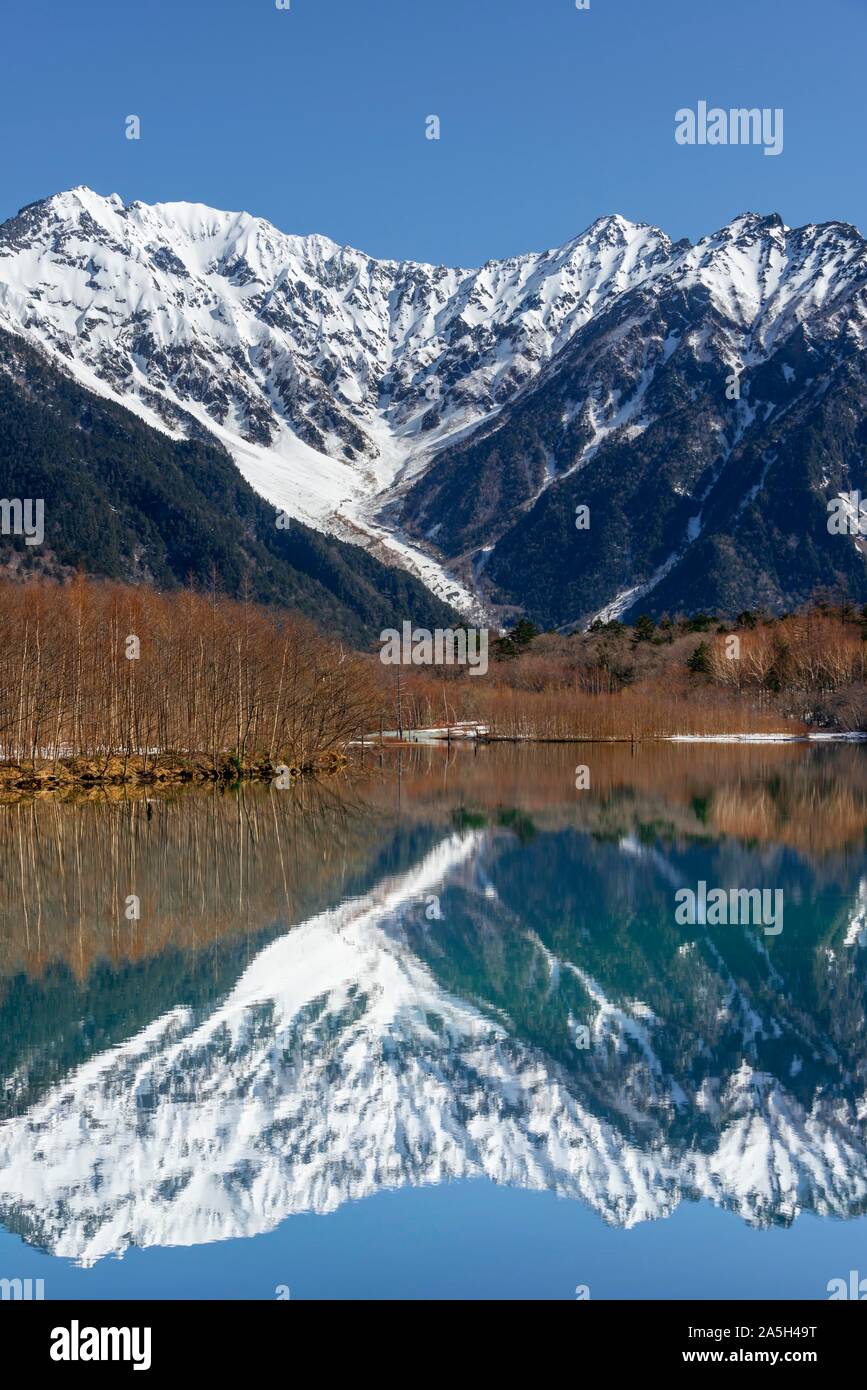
[(416, 737), (159, 770), (19, 781)]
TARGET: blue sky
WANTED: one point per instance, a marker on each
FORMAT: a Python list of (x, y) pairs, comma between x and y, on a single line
[(315, 116), (474, 1240)]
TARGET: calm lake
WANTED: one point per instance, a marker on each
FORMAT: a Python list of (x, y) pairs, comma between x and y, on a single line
[(433, 1030)]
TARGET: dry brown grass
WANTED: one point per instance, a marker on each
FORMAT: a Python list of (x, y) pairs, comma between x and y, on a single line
[(542, 698)]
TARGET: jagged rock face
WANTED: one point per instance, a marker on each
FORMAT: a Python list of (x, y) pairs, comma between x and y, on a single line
[(696, 499), (457, 417), (269, 333), (372, 1047)]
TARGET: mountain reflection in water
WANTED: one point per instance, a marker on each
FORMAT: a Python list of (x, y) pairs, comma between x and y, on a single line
[(382, 982)]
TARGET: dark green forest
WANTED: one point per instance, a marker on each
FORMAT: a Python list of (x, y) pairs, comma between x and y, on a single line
[(123, 501)]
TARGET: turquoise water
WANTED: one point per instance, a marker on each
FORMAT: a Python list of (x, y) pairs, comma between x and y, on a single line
[(435, 1031)]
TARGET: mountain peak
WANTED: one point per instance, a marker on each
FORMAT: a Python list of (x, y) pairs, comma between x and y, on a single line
[(340, 382), (613, 227), (755, 225)]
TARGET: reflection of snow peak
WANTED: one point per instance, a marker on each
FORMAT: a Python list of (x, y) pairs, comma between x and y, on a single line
[(856, 933), (337, 1067)]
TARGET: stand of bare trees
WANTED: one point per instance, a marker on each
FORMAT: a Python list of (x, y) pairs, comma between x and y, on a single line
[(105, 671), (809, 651)]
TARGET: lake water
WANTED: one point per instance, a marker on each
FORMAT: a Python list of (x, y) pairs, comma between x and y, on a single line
[(433, 1030)]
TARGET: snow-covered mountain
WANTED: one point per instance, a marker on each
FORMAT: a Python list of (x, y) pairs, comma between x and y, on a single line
[(339, 1065), (442, 416), (325, 372), (705, 416)]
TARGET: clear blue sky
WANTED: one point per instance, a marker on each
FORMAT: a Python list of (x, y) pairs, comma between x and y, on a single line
[(314, 117)]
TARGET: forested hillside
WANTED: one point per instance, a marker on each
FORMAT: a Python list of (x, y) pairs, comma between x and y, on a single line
[(124, 501)]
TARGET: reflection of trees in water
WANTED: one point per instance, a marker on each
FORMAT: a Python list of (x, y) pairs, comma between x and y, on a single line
[(377, 1045), (812, 798), (203, 865), (217, 875)]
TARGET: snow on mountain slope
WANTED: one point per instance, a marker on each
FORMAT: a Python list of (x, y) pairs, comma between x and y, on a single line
[(273, 333), (705, 416), (335, 379), (766, 278), (321, 369), (338, 1067)]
